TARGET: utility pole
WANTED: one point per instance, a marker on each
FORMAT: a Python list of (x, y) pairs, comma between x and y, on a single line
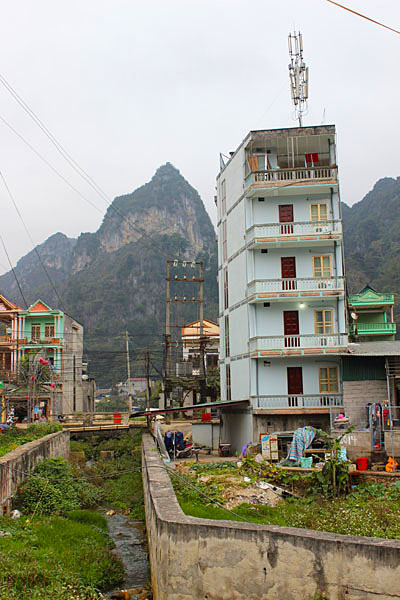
[(167, 366), (202, 340), (192, 278), (128, 369), (148, 390)]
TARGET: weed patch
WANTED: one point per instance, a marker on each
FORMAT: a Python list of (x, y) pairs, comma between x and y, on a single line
[(12, 438)]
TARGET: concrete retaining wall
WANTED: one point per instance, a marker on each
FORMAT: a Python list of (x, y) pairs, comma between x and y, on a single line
[(201, 559), (16, 464)]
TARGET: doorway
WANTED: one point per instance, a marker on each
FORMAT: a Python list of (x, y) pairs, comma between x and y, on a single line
[(291, 328), (294, 384)]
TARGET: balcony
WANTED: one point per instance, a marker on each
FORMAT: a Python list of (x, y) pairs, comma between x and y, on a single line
[(262, 290), (6, 340), (298, 403), (8, 376), (317, 177), (40, 342), (373, 329), (298, 233), (289, 345)]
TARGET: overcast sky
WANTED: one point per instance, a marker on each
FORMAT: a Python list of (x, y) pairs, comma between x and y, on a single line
[(127, 85)]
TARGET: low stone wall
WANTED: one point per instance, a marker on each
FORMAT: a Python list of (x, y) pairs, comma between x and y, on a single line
[(16, 464), (202, 559)]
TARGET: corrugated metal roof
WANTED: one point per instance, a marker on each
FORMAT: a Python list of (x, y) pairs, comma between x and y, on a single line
[(374, 349)]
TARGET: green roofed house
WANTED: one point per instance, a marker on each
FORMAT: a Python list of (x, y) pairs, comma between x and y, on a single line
[(60, 338), (371, 316)]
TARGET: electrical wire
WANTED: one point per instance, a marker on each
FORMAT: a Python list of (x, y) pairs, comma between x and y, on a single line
[(354, 12), (13, 270), (31, 240)]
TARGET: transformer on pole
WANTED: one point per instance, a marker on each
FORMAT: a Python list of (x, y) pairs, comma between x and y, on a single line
[(298, 74)]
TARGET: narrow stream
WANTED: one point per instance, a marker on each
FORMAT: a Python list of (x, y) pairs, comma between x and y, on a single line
[(131, 544)]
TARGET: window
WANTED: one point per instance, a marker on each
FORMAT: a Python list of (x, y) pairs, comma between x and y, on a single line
[(226, 296), (227, 345), (49, 330), (319, 212), (228, 382), (223, 198), (328, 380), (322, 266), (323, 321), (35, 332), (224, 242)]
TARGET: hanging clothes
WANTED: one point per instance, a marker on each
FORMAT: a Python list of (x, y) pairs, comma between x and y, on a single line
[(302, 439)]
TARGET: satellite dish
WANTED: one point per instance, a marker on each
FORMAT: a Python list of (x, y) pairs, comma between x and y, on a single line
[(354, 316)]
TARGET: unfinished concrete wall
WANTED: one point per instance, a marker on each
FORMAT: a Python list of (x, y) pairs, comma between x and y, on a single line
[(201, 559), (356, 394), (357, 444), (15, 465), (267, 423)]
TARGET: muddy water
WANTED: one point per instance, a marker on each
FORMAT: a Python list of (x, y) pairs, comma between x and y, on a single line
[(131, 544)]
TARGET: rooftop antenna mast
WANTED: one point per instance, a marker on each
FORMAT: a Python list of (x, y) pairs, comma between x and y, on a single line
[(298, 74)]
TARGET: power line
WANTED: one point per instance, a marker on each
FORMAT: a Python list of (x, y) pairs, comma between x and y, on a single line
[(85, 176), (13, 270), (42, 158), (31, 240), (364, 16)]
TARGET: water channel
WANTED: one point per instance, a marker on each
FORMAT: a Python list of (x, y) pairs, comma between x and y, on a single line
[(130, 541)]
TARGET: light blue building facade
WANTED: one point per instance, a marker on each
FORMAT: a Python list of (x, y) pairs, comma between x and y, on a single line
[(281, 282)]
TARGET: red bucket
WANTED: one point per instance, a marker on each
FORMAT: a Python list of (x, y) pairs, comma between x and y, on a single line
[(362, 464), (117, 418), (205, 416)]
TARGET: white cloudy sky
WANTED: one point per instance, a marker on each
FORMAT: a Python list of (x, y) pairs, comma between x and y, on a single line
[(127, 85)]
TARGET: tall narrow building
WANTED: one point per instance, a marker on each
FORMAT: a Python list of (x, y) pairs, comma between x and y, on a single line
[(281, 282)]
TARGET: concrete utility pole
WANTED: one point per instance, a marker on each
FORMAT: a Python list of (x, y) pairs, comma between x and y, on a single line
[(148, 388), (167, 366), (128, 369), (179, 277), (202, 340)]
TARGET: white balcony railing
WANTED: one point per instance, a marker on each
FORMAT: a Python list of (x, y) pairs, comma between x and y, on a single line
[(297, 228), (286, 342), (301, 284), (275, 176), (299, 401)]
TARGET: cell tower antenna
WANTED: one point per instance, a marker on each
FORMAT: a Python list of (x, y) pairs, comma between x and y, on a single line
[(298, 74)]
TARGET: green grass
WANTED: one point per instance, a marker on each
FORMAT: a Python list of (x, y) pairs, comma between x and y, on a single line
[(373, 510), (123, 491), (12, 438), (56, 557)]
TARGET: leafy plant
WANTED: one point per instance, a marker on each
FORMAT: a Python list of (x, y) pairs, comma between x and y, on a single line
[(333, 479)]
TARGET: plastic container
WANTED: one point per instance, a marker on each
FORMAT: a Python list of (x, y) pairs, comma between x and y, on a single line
[(362, 463), (117, 418), (306, 463), (206, 417)]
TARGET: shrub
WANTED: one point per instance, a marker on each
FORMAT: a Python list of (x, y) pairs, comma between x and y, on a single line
[(52, 489)]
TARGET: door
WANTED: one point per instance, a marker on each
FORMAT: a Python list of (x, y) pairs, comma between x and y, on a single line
[(291, 328), (286, 217), (294, 384), (288, 272)]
